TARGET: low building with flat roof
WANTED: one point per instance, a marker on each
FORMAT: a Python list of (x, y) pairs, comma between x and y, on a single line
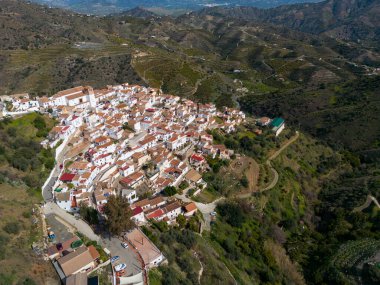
[(278, 125), (150, 254)]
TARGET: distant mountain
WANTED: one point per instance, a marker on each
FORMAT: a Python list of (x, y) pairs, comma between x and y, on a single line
[(138, 12), (344, 19), (103, 7)]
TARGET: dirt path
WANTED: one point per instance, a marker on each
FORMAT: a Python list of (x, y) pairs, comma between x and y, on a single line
[(206, 209), (200, 270), (274, 156), (252, 172), (195, 88), (366, 204)]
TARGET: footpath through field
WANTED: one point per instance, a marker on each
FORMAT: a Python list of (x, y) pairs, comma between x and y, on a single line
[(274, 156)]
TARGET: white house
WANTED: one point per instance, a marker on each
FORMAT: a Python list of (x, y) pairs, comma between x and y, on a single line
[(130, 195), (126, 169), (173, 210), (138, 215), (176, 142), (103, 159)]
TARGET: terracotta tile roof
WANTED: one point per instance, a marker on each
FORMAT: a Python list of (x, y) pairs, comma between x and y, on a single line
[(155, 213), (141, 203), (80, 165), (193, 175), (190, 207), (94, 253), (173, 206), (68, 91), (157, 200), (75, 260), (198, 158)]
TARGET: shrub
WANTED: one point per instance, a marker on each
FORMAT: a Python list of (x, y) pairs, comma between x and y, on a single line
[(39, 123), (244, 181), (28, 281), (12, 228), (191, 192), (187, 238), (183, 185), (3, 245), (232, 213), (169, 191)]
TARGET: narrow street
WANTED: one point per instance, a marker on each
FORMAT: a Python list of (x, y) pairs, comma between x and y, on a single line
[(47, 189)]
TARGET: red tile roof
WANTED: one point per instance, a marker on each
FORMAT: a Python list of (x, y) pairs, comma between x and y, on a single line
[(67, 177), (155, 214), (197, 157), (137, 211)]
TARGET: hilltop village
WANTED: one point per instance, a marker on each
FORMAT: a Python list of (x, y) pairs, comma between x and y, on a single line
[(132, 141)]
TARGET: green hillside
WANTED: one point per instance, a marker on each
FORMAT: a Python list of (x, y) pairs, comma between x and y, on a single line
[(302, 231), (24, 166)]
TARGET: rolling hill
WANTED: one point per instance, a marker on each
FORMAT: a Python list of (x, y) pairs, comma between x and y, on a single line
[(316, 65)]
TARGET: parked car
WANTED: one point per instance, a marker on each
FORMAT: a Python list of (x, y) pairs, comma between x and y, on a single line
[(114, 258), (120, 267), (124, 244)]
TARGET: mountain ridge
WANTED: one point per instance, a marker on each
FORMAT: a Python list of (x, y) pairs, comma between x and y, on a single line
[(103, 7), (344, 19)]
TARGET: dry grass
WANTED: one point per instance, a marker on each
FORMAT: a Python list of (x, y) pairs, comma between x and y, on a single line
[(284, 263), (247, 166), (19, 260)]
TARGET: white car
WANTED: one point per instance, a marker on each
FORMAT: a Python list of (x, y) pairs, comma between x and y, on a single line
[(120, 267), (124, 244)]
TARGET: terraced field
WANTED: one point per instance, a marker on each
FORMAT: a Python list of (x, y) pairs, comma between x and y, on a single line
[(353, 253)]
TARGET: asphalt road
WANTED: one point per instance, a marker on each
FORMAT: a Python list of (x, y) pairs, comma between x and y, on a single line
[(47, 191), (80, 225)]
